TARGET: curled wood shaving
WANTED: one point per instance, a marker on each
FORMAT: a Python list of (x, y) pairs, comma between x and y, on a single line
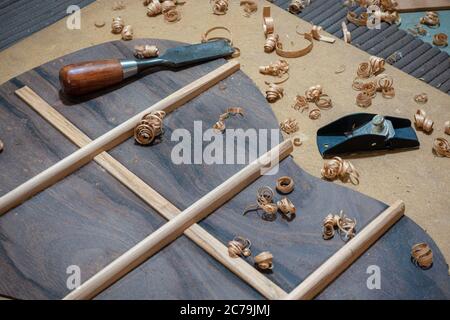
[(168, 5), (117, 25), (314, 114), (324, 102), (118, 5), (346, 33), (289, 126), (127, 33), (300, 103), (286, 207), (315, 32), (339, 168), (364, 70), (345, 225), (313, 93), (219, 126), (297, 141), (441, 147), (421, 98), (219, 7), (298, 5), (430, 19), (393, 58), (99, 24), (385, 84), (149, 127), (250, 6), (276, 69), (239, 247), (146, 51), (271, 42), (447, 127), (295, 53), (154, 8), (440, 40), (285, 185), (422, 255), (363, 100), (422, 121), (274, 93), (376, 64), (172, 15), (264, 260), (268, 23), (264, 199), (359, 20)]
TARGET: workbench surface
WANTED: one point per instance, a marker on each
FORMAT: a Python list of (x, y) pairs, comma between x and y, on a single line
[(417, 177)]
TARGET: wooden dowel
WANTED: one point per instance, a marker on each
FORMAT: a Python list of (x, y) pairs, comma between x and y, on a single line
[(110, 139), (344, 257), (175, 227), (196, 233)]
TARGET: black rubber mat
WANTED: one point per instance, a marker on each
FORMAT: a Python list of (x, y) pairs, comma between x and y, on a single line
[(419, 59), (20, 18)]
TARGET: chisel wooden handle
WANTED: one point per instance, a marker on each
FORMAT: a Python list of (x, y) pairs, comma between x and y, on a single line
[(81, 78)]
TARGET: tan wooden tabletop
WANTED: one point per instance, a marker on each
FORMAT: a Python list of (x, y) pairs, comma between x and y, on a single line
[(418, 177)]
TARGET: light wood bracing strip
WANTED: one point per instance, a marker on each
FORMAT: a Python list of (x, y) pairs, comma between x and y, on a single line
[(176, 226), (344, 257), (196, 233), (110, 139), (422, 5)]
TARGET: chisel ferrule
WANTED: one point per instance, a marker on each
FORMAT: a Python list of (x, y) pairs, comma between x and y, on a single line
[(130, 68)]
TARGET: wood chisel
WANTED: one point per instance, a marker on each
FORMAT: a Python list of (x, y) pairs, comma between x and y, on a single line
[(86, 77)]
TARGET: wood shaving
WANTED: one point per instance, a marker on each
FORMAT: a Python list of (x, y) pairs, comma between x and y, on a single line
[(395, 57), (313, 93), (422, 121), (118, 5), (441, 147), (300, 103), (295, 53), (99, 24), (363, 100), (285, 185), (274, 93), (219, 7), (154, 8), (315, 114), (250, 6), (376, 65), (385, 84), (440, 40), (127, 33), (271, 42), (338, 168), (150, 127), (168, 5), (359, 20), (2, 145), (345, 225), (298, 5), (346, 33), (172, 15), (324, 102), (364, 70), (264, 260), (286, 207), (276, 69), (387, 12), (264, 201), (297, 141), (430, 19), (447, 127), (422, 255), (146, 51), (219, 126), (268, 22), (117, 25), (315, 32), (421, 98), (289, 126), (239, 247)]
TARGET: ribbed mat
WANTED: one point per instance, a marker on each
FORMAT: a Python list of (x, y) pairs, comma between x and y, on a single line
[(419, 59), (20, 18)]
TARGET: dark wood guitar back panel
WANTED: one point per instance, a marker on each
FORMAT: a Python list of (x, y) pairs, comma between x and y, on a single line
[(89, 218)]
